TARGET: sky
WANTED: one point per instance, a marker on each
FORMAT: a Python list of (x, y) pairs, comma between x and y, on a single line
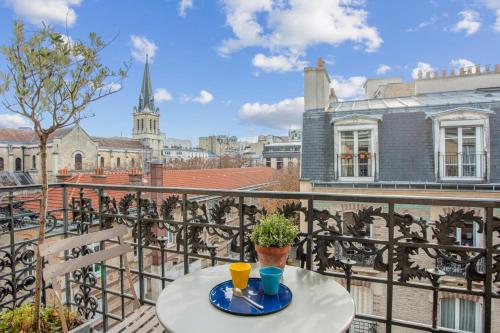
[(235, 67)]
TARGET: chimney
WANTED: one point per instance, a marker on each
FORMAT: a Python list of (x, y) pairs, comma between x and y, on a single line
[(436, 74), (462, 71), (443, 73), (156, 173), (99, 177), (469, 71), (487, 68), (316, 87), (135, 177), (428, 75), (63, 175), (420, 74), (452, 72), (497, 68), (478, 69)]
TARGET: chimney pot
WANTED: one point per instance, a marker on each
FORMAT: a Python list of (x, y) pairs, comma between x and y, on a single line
[(469, 71), (452, 72), (478, 69), (462, 71), (487, 68), (497, 68), (428, 75), (436, 74), (420, 74), (443, 73)]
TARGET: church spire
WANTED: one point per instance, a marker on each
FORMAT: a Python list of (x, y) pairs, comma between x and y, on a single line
[(146, 99)]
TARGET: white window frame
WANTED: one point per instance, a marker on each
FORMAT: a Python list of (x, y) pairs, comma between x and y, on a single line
[(356, 123), (478, 321), (462, 117)]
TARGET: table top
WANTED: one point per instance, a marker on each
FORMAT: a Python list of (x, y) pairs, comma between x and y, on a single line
[(319, 304)]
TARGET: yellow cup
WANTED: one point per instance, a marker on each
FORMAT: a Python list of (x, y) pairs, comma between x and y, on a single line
[(240, 272)]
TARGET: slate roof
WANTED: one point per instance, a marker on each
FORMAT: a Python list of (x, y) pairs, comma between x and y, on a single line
[(118, 142), (455, 98), (22, 135)]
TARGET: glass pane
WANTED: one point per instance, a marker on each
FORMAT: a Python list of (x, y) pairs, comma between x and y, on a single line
[(448, 312), (347, 154), (467, 316), (364, 153), (469, 157), (451, 151)]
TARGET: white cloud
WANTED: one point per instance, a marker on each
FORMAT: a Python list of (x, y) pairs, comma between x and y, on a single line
[(184, 5), (49, 11), (279, 63), (13, 121), (470, 22), (350, 88), (424, 24), (204, 97), (383, 69), (162, 95), (421, 66), (141, 46), (461, 63), (112, 87), (294, 25), (495, 6), (285, 114)]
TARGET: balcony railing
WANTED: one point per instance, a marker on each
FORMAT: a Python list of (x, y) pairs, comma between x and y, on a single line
[(463, 165), (361, 165), (173, 232)]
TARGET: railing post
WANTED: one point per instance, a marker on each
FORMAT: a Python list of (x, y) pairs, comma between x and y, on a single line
[(140, 253), (435, 274), (390, 268), (12, 238), (488, 270), (186, 233), (242, 227), (310, 217), (102, 247), (66, 252)]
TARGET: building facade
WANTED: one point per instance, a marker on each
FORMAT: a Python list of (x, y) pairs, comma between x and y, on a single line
[(440, 129), (74, 150), (282, 155)]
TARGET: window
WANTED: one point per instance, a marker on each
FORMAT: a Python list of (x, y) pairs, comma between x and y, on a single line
[(117, 162), (460, 314), (102, 162), (150, 125), (132, 162), (290, 162), (137, 125), (1, 164), (279, 163), (33, 161), (268, 162), (78, 161), (356, 152), (142, 124), (18, 164), (462, 152), (154, 125)]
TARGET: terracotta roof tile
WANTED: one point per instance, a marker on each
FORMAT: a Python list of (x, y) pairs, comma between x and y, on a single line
[(118, 142)]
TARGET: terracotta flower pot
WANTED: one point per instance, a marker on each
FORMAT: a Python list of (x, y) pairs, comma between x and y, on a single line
[(272, 256)]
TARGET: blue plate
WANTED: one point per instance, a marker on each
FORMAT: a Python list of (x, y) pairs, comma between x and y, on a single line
[(221, 296)]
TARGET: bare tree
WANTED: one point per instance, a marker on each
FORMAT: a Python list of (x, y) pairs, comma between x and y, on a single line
[(50, 80)]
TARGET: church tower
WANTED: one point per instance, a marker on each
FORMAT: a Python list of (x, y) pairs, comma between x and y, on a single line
[(146, 127)]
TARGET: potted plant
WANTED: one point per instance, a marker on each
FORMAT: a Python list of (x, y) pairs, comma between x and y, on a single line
[(21, 320), (273, 237)]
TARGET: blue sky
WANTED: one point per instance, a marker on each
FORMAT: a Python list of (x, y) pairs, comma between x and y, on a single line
[(236, 66)]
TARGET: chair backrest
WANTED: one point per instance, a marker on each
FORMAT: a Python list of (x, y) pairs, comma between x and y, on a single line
[(54, 269), (50, 249)]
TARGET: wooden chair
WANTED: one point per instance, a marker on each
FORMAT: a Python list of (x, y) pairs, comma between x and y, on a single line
[(142, 320)]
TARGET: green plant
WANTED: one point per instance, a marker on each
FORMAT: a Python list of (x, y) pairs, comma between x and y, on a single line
[(274, 231), (20, 320)]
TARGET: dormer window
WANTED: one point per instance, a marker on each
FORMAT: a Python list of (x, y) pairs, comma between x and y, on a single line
[(461, 144)]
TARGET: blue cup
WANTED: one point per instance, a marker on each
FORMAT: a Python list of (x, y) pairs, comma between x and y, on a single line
[(271, 277)]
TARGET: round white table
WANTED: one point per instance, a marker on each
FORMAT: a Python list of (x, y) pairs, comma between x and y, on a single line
[(319, 305)]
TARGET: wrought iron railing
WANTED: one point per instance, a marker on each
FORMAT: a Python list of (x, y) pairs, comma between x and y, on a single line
[(463, 165), (173, 232)]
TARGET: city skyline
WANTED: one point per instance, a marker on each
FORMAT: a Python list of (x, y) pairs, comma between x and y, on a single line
[(211, 78)]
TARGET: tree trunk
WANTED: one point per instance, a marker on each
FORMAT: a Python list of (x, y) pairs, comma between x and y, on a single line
[(41, 230)]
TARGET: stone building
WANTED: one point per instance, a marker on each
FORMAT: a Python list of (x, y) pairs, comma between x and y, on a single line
[(74, 150), (282, 155), (438, 135), (442, 129)]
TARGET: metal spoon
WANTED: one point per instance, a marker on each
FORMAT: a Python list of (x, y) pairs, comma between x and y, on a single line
[(238, 293)]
